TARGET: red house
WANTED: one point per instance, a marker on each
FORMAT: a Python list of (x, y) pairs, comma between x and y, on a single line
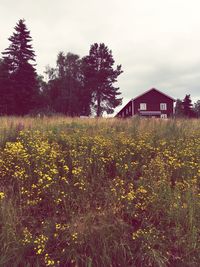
[(152, 103)]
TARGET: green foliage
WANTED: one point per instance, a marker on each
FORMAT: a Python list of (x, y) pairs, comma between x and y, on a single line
[(7, 101), (186, 109), (100, 193), (197, 108), (84, 86), (179, 112), (66, 90)]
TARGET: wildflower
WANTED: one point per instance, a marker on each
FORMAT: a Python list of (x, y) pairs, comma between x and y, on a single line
[(2, 195)]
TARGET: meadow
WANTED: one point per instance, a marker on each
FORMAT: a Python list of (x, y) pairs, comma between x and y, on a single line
[(99, 192)]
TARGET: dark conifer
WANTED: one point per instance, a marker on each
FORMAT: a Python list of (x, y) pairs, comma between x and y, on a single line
[(7, 103), (18, 57), (187, 106), (100, 76)]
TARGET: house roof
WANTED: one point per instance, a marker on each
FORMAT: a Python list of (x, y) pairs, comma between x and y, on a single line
[(123, 107), (152, 90)]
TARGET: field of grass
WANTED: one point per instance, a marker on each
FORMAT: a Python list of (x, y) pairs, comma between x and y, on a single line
[(99, 193)]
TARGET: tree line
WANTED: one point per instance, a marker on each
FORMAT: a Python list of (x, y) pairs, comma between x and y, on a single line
[(76, 86), (185, 108)]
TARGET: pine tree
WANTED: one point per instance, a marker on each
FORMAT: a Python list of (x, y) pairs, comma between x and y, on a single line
[(99, 78), (187, 107), (22, 72), (7, 103)]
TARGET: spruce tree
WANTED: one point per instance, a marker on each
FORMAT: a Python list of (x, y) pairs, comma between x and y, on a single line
[(187, 106), (99, 78), (18, 57)]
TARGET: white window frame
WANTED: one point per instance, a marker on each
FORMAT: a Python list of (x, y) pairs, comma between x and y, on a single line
[(143, 106), (163, 116), (163, 106)]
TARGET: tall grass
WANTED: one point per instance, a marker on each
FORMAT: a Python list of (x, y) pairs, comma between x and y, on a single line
[(99, 192)]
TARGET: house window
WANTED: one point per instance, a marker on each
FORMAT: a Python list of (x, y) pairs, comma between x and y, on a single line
[(163, 106), (163, 116), (143, 106)]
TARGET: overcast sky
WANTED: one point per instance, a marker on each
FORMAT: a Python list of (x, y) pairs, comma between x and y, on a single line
[(157, 42)]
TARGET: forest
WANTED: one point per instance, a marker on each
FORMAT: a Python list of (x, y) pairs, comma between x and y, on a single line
[(77, 86)]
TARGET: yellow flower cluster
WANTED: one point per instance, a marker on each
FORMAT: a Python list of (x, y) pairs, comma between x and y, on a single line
[(80, 183), (40, 243), (2, 195), (27, 236)]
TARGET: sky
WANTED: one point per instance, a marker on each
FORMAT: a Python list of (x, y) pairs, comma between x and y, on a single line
[(157, 42)]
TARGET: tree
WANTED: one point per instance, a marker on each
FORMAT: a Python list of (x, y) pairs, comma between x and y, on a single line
[(187, 107), (99, 78), (179, 108), (65, 85), (6, 91), (22, 73), (197, 109)]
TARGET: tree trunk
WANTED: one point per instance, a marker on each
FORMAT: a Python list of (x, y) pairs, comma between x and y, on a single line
[(98, 105)]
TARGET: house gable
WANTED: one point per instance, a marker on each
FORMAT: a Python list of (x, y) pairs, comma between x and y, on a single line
[(153, 100), (151, 103)]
